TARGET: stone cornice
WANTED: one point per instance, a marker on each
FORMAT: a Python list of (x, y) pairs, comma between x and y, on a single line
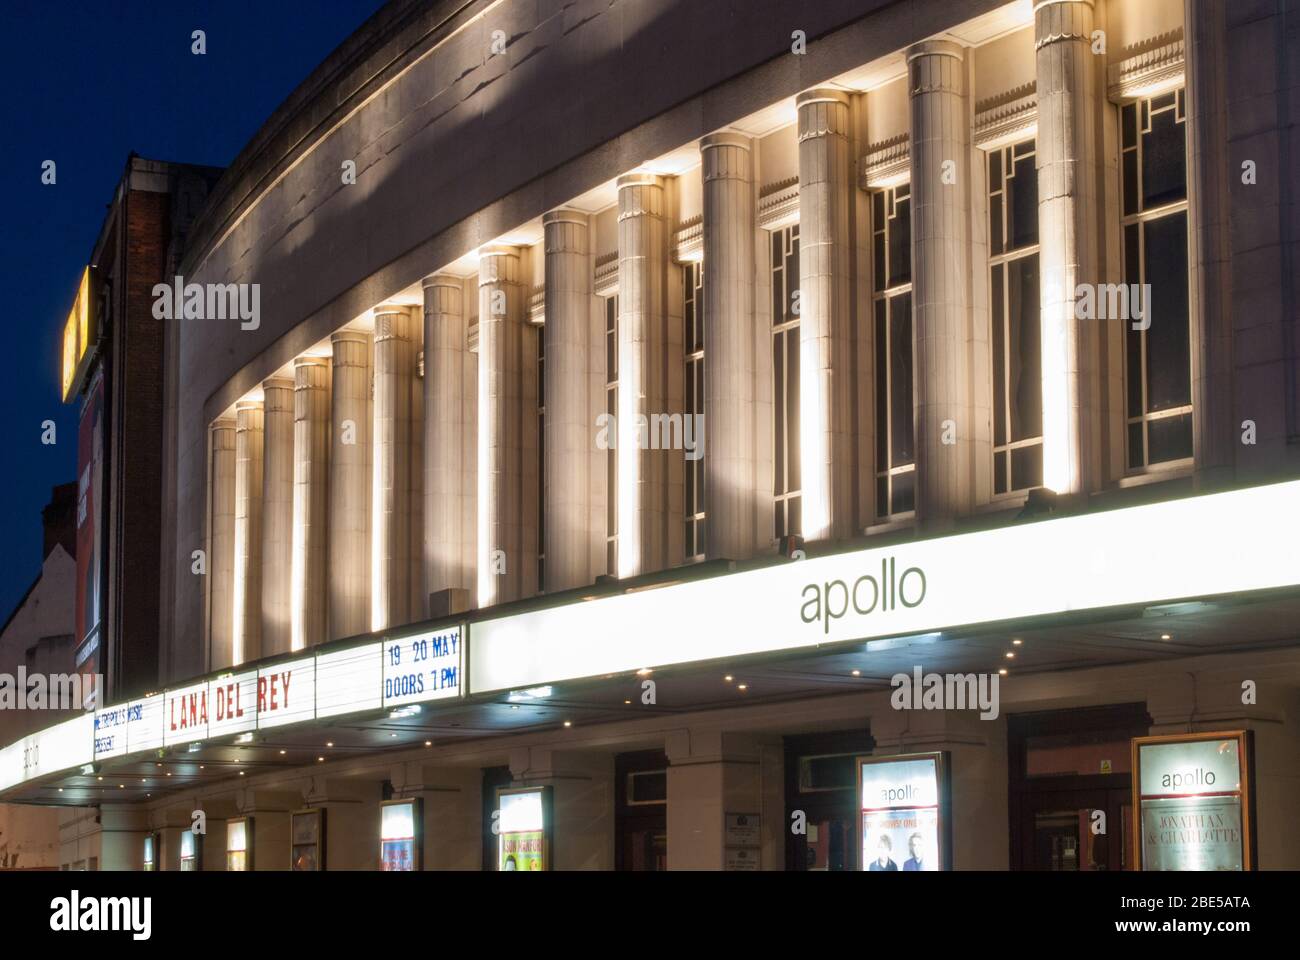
[(1008, 118), (778, 204), (886, 163), (1151, 67)]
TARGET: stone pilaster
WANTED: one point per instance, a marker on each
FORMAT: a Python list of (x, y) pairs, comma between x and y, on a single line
[(941, 257), (311, 448), (825, 311), (1068, 210), (390, 595), (1210, 264), (246, 636), (507, 432), (221, 543), (450, 466), (731, 475), (349, 487), (570, 433)]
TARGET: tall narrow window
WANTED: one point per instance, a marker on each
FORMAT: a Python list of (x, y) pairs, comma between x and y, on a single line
[(693, 349), (1015, 327), (891, 250), (1157, 367), (611, 454), (785, 382), (541, 461)]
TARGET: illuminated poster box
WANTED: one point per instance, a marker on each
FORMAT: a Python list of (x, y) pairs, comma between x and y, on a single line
[(1192, 795), (401, 843), (191, 852), (904, 823), (239, 845), (307, 840), (524, 823)]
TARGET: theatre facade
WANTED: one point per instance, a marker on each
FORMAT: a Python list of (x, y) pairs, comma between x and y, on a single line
[(852, 435)]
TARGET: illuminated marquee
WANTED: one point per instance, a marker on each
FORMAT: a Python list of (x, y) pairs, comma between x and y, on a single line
[(1205, 546)]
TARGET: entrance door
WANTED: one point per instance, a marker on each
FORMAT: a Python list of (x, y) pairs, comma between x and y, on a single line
[(1071, 808), (641, 811), (820, 772), (1084, 830)]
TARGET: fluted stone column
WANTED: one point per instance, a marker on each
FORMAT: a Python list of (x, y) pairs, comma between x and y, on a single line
[(1068, 210), (311, 448), (221, 544), (940, 130), (246, 641), (277, 516), (1210, 265), (449, 448), (570, 434), (351, 453), (507, 432), (730, 462), (391, 538), (644, 355), (825, 394)]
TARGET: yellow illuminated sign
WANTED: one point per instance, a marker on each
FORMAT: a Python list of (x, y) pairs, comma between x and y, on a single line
[(77, 334)]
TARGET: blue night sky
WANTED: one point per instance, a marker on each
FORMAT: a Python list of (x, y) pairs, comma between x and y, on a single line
[(85, 84)]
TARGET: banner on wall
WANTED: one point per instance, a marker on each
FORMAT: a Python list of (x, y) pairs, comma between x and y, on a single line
[(90, 477), (904, 818)]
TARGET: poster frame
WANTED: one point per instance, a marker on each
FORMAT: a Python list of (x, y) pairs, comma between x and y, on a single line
[(548, 799), (1245, 757), (941, 764), (417, 825)]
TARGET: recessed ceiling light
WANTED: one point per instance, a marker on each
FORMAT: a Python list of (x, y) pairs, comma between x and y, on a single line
[(428, 743), (1011, 655), (627, 701), (742, 686), (1016, 641), (393, 736), (568, 723), (1164, 636), (857, 673), (329, 744), (320, 759), (1003, 671), (728, 678), (241, 773), (283, 752)]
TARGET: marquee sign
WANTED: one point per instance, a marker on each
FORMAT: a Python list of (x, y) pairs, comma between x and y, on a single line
[(427, 666), (1196, 547), (1203, 546)]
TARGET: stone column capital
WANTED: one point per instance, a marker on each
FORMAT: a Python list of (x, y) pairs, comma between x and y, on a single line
[(820, 95), (1062, 20), (565, 215), (726, 138), (442, 280), (349, 335), (822, 112)]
